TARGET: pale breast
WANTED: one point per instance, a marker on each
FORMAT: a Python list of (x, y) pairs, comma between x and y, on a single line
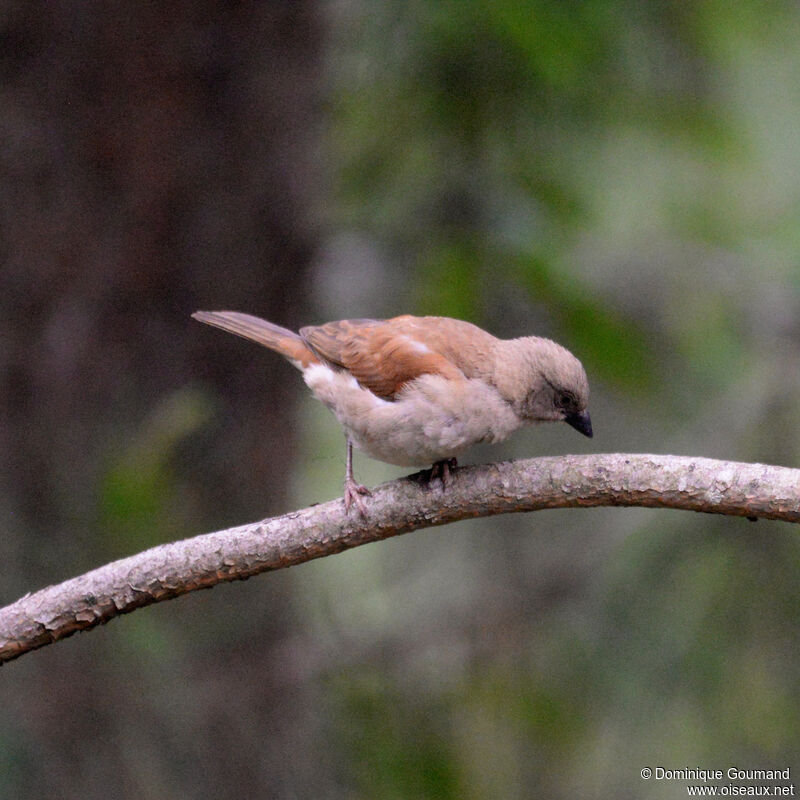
[(432, 418)]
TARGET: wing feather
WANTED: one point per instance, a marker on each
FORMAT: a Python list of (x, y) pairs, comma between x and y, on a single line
[(385, 355)]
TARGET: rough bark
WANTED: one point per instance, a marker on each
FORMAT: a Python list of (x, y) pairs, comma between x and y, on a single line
[(695, 484)]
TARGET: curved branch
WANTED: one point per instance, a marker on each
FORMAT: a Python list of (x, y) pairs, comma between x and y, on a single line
[(169, 570)]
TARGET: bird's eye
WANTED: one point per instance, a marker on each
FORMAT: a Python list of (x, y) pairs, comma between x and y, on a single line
[(566, 401)]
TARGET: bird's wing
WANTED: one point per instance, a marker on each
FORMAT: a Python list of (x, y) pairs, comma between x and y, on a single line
[(384, 355)]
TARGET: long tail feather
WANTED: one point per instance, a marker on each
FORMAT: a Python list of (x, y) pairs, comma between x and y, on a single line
[(281, 340)]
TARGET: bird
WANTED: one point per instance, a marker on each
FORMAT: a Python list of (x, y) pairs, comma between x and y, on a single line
[(414, 391)]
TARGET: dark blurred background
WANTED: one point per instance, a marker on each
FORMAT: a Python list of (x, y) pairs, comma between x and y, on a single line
[(621, 176)]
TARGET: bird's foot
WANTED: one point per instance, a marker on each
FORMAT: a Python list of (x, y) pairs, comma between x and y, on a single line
[(441, 470), (353, 494)]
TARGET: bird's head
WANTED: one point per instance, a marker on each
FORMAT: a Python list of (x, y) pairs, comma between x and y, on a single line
[(544, 382)]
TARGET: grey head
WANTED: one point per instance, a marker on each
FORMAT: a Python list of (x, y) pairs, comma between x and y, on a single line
[(544, 382)]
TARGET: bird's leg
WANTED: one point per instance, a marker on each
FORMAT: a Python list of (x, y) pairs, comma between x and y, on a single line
[(352, 490), (441, 469)]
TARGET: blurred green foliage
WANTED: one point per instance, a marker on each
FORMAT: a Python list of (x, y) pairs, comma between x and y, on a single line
[(394, 742), (138, 493)]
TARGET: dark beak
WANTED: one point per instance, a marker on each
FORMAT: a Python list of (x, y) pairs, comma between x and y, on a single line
[(582, 422)]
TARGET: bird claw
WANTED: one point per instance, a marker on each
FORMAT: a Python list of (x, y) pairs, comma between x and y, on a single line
[(353, 493), (441, 470)]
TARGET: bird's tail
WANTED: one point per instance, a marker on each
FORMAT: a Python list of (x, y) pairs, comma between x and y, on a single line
[(281, 340)]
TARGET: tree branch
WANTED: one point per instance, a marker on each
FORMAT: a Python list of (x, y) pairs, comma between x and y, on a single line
[(169, 570)]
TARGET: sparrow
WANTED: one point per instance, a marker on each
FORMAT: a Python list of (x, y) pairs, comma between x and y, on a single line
[(414, 391)]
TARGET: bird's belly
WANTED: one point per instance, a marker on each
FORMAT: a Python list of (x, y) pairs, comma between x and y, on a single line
[(431, 419), (410, 447)]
